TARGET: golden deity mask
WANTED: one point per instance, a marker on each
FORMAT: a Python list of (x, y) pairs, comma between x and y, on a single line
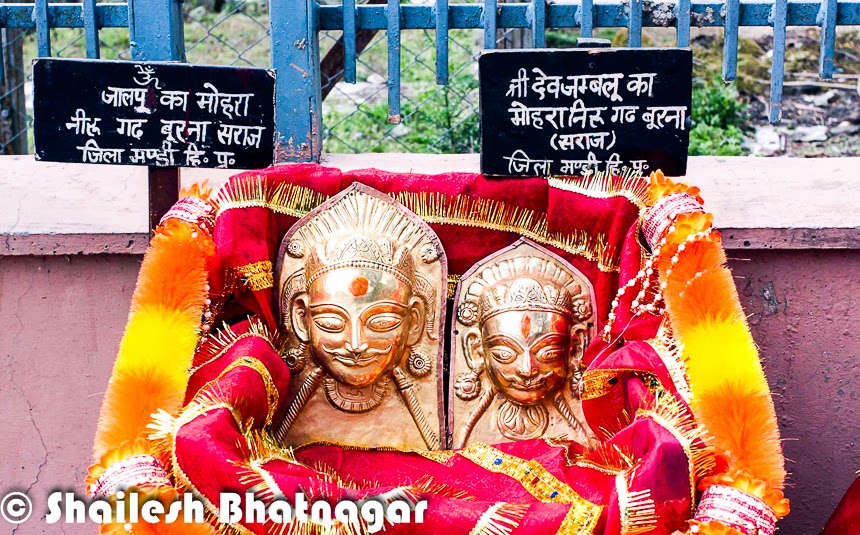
[(524, 319), (361, 290)]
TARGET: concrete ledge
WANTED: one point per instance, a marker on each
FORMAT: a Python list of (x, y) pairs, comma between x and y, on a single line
[(74, 244), (759, 203)]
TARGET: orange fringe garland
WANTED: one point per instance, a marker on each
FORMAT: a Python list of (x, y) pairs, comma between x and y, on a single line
[(151, 369), (731, 397)]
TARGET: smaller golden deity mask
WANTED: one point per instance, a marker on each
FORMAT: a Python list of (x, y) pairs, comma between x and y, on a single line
[(524, 319), (362, 321)]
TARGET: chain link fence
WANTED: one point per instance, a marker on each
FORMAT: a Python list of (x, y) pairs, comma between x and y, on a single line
[(434, 118), (17, 51), (440, 119)]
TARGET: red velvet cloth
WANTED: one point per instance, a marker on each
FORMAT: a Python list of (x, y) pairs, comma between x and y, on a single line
[(251, 234), (213, 455), (846, 517)]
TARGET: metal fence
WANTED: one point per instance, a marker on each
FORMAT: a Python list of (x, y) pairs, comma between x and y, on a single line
[(62, 29), (435, 118), (380, 76)]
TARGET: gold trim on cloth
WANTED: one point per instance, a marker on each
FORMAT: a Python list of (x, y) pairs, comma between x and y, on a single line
[(165, 429), (637, 511), (500, 519), (598, 383), (593, 465), (671, 353), (675, 418), (256, 276), (538, 482), (572, 523), (225, 338), (563, 443), (598, 186), (439, 456), (609, 459), (461, 210), (272, 396), (254, 192), (258, 480)]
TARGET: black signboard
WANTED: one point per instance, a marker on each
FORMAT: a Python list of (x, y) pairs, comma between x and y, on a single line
[(157, 114), (581, 111)]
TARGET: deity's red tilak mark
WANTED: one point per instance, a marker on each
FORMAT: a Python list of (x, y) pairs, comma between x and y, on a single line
[(358, 286), (526, 326)]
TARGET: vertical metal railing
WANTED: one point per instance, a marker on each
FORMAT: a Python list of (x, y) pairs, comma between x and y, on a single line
[(298, 119), (18, 22), (155, 34), (156, 27)]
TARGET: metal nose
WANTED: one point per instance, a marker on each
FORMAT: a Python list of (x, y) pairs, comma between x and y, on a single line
[(356, 350), (526, 368)]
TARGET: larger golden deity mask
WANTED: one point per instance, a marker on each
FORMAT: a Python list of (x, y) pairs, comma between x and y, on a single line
[(524, 319), (361, 284)]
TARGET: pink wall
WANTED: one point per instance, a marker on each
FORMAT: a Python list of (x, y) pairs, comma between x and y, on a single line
[(63, 317), (803, 311)]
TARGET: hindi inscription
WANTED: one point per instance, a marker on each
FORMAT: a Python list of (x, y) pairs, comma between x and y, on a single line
[(159, 114), (577, 112)]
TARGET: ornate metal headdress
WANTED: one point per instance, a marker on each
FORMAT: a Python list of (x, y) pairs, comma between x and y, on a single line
[(521, 277), (524, 283), (360, 231)]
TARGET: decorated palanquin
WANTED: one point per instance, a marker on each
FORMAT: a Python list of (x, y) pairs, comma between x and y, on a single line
[(527, 355)]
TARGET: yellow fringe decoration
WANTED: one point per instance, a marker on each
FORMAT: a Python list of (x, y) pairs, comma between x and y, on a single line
[(638, 512), (254, 192), (495, 215), (607, 458), (296, 201), (500, 519), (151, 369), (674, 417), (672, 355), (730, 394), (256, 276), (599, 186)]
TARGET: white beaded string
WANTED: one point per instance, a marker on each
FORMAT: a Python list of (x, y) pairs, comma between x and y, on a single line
[(640, 304), (643, 275)]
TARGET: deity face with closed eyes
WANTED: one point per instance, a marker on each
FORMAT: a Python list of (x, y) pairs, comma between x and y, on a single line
[(361, 321), (526, 353)]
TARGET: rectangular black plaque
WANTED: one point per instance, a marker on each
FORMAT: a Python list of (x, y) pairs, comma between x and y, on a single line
[(157, 114), (575, 112)]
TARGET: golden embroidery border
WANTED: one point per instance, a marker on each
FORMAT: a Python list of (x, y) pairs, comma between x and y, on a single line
[(634, 189), (671, 354), (272, 395), (477, 212), (685, 444), (191, 413), (257, 275), (225, 338), (540, 483), (297, 201), (590, 390)]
